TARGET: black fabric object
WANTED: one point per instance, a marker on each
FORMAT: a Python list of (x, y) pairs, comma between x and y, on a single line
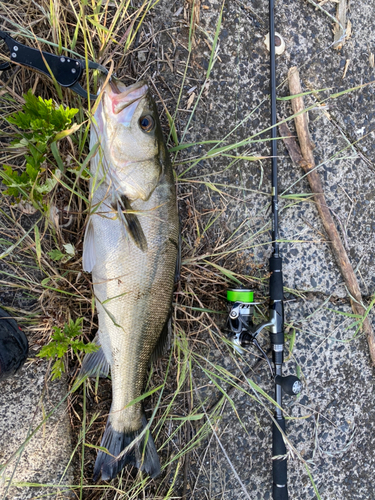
[(14, 346)]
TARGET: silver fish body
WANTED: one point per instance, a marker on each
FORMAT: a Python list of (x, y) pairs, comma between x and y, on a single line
[(130, 246)]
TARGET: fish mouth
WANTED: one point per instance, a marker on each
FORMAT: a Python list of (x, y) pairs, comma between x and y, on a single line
[(122, 97)]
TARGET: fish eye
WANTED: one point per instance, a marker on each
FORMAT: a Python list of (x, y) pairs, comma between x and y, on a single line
[(146, 123)]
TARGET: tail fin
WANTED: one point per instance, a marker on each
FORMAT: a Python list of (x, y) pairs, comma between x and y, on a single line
[(142, 455)]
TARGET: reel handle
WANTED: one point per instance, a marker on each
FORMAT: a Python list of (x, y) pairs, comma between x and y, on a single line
[(291, 384)]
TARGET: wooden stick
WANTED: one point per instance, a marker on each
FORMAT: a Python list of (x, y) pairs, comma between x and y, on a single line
[(305, 158), (340, 26)]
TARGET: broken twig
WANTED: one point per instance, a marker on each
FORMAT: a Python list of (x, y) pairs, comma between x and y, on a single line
[(342, 28)]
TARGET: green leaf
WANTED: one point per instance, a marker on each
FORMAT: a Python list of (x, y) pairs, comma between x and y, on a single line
[(99, 448), (47, 351), (226, 272), (197, 416), (69, 249), (38, 246), (172, 127), (144, 396), (292, 339), (62, 341), (342, 313), (58, 368), (32, 169), (56, 155), (90, 347), (56, 255), (49, 184), (73, 328), (191, 144), (67, 132)]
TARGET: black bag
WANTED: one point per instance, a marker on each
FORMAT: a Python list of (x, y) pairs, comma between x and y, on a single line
[(14, 346)]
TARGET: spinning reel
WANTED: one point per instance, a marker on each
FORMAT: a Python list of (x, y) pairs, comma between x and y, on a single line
[(242, 333)]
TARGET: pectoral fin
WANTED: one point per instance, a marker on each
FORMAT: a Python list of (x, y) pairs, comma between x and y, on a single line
[(88, 256), (131, 223)]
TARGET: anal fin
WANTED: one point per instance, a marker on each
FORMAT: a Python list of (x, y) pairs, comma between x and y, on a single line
[(95, 363)]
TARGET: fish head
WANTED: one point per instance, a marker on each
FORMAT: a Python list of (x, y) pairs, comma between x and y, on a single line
[(130, 138)]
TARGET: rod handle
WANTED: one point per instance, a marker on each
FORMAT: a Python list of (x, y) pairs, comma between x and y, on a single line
[(279, 466), (276, 278)]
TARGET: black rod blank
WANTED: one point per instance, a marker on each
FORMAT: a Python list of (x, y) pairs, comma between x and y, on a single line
[(279, 465), (275, 222)]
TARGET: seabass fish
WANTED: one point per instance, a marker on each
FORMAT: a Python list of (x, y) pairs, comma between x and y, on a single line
[(130, 246)]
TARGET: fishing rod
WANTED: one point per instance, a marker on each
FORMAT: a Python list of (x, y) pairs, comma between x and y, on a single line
[(240, 325)]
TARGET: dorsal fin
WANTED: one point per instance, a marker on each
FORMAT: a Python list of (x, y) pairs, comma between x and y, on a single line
[(164, 339)]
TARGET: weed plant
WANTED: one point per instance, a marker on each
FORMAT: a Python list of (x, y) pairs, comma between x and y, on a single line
[(39, 122)]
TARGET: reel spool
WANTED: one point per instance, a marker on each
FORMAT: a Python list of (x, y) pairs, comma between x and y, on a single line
[(240, 326), (241, 309)]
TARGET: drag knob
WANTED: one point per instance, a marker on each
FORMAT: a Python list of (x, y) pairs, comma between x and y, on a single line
[(291, 384)]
